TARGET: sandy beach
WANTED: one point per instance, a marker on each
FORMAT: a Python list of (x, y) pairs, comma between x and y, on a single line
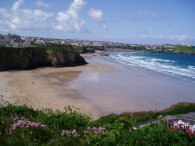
[(99, 88), (46, 87)]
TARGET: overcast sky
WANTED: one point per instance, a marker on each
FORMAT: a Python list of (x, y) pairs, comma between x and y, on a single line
[(131, 21)]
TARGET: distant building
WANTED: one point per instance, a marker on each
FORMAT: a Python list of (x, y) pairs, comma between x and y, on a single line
[(2, 42), (13, 37), (25, 43), (40, 42), (1, 36), (13, 44), (185, 44)]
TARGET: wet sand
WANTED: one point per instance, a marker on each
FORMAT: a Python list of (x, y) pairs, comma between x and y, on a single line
[(130, 89)]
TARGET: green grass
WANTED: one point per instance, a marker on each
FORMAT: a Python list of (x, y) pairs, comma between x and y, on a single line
[(118, 128), (184, 50)]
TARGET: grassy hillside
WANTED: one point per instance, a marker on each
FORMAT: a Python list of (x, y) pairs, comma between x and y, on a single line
[(184, 50), (21, 125), (176, 50), (32, 57)]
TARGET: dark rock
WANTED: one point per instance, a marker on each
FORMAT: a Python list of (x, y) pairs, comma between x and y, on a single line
[(88, 50), (29, 58)]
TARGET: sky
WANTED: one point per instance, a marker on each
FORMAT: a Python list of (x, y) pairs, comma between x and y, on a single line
[(130, 21)]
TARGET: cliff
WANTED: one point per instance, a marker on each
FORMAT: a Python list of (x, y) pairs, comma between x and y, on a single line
[(34, 57)]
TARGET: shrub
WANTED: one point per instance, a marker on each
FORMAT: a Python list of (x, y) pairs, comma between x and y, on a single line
[(47, 127)]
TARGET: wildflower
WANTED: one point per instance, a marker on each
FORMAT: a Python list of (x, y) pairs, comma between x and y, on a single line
[(63, 132), (95, 130), (180, 125), (69, 133), (22, 123)]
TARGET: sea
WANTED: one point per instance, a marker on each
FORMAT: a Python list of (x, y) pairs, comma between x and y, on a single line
[(138, 81), (178, 65)]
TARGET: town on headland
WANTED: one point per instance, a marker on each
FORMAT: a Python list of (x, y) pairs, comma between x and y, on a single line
[(13, 40)]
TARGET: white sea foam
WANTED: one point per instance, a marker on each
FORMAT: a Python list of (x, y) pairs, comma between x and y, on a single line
[(191, 67), (156, 64)]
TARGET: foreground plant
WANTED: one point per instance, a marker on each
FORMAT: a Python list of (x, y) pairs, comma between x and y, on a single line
[(22, 123), (46, 127), (95, 130), (180, 125), (71, 133)]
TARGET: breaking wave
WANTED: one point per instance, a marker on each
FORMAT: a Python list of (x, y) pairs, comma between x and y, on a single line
[(181, 65)]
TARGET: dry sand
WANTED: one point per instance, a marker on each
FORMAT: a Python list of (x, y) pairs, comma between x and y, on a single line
[(47, 88)]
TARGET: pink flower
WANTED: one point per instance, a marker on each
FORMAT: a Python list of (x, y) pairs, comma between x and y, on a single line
[(180, 125), (22, 123)]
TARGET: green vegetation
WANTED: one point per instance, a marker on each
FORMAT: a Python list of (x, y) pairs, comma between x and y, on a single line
[(21, 125), (176, 50), (184, 50), (64, 48), (39, 56)]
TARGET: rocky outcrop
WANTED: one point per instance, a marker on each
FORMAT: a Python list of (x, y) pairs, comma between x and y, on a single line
[(29, 58), (87, 50), (60, 58)]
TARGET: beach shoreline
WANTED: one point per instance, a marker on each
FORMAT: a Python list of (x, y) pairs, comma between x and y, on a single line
[(46, 88), (101, 87), (131, 88)]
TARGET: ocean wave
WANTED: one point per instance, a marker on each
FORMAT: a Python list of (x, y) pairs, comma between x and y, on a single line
[(167, 66), (191, 67)]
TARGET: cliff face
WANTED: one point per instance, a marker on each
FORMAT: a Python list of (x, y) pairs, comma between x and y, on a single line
[(88, 50), (29, 58)]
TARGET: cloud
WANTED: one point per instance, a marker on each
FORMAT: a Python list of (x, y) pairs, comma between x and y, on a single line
[(41, 3), (69, 21), (95, 14), (22, 19), (168, 37), (149, 14), (17, 18), (17, 4)]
